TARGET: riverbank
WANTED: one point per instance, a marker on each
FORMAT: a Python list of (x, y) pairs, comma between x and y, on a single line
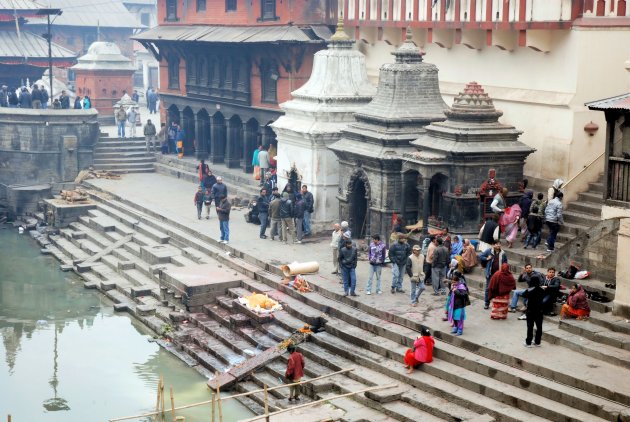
[(67, 356), (493, 372)]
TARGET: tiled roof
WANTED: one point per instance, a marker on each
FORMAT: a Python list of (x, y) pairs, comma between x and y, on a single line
[(620, 102), (92, 13), (231, 34), (29, 45)]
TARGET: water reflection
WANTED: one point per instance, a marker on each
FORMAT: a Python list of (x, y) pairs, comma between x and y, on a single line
[(65, 356)]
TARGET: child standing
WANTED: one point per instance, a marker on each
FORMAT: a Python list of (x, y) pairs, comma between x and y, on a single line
[(207, 200), (534, 228), (456, 305), (199, 202)]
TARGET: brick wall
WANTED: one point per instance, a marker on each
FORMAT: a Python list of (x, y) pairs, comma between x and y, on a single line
[(248, 12), (104, 88)]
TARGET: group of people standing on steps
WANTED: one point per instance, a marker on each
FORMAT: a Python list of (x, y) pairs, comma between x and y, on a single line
[(528, 215), (212, 189)]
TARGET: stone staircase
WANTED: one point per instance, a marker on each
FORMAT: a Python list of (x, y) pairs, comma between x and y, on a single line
[(466, 382), (239, 183), (128, 155), (579, 216)]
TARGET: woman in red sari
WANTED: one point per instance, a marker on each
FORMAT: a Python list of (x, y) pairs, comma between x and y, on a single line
[(577, 304), (501, 284), (421, 352)]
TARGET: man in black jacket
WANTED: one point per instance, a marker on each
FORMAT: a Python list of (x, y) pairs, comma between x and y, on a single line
[(398, 254), (441, 258), (551, 286), (348, 265), (534, 314), (223, 211), (309, 202), (286, 215), (36, 97), (299, 213), (263, 211)]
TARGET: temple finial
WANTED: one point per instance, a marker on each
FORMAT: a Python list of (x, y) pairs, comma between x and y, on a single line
[(340, 34), (408, 35)]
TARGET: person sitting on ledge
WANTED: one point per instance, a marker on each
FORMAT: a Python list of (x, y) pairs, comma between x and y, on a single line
[(577, 304), (421, 352)]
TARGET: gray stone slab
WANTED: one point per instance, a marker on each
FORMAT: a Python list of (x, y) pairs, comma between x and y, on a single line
[(159, 254)]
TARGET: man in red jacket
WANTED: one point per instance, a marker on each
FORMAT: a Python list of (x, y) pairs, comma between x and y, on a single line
[(295, 371)]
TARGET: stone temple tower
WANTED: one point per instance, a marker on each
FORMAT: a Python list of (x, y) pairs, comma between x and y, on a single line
[(314, 119), (371, 149)]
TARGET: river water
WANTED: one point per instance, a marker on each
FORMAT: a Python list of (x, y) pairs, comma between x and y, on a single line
[(66, 356)]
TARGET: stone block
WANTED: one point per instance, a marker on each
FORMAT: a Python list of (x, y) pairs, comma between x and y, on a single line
[(83, 267), (121, 307), (238, 320), (137, 291), (126, 265), (145, 310), (107, 285), (159, 254), (178, 317), (79, 235), (65, 267)]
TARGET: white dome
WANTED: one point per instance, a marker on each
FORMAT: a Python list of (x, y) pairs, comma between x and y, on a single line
[(104, 56)]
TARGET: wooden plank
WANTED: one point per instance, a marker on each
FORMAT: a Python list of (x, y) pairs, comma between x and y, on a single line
[(108, 249)]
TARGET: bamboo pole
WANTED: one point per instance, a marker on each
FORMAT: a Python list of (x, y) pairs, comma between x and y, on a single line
[(219, 398), (212, 406), (376, 388), (188, 406), (266, 404), (172, 404), (162, 405), (157, 401)]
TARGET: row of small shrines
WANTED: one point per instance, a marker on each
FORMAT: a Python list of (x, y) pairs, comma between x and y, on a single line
[(368, 155)]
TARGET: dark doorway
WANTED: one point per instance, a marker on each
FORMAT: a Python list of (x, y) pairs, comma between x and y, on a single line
[(411, 198), (437, 187), (359, 206)]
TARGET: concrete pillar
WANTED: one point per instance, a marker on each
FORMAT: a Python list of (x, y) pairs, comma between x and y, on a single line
[(621, 304)]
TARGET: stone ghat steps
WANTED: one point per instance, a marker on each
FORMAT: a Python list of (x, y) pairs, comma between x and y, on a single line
[(123, 156), (243, 184), (598, 338), (347, 313), (344, 344), (339, 383)]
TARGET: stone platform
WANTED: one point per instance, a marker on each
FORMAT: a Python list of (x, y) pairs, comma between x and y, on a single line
[(65, 213), (200, 284)]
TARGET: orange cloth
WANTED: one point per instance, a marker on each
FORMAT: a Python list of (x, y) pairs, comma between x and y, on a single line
[(569, 312)]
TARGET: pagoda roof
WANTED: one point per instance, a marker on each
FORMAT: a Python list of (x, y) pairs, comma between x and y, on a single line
[(236, 34)]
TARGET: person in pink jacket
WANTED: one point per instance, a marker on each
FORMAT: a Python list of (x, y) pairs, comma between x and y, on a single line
[(421, 352)]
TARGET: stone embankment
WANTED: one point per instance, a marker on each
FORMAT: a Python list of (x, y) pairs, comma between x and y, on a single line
[(469, 380)]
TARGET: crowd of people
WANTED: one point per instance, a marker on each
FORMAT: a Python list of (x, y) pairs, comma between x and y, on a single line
[(38, 98), (528, 215)]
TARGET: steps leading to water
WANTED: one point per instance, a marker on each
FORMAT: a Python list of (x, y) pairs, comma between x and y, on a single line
[(465, 382)]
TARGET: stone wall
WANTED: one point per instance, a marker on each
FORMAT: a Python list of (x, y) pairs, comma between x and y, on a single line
[(595, 249), (45, 146)]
